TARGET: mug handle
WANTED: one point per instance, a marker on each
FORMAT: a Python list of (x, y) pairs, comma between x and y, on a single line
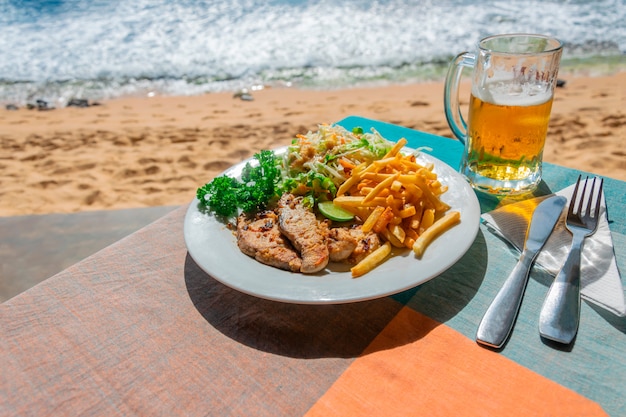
[(451, 94)]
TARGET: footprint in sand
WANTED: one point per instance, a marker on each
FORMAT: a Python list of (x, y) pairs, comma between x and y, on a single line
[(144, 161), (614, 120), (122, 141), (183, 139), (81, 167), (92, 197), (591, 144), (151, 190), (34, 157), (239, 154), (222, 143), (379, 108), (216, 166), (281, 128), (46, 184), (187, 162), (136, 139), (127, 173), (152, 170)]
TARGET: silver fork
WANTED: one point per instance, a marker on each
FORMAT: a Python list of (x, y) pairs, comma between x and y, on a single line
[(560, 313)]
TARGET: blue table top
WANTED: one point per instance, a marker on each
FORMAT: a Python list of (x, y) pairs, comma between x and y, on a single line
[(595, 365)]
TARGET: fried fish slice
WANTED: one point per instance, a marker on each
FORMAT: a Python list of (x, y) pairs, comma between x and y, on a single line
[(261, 239), (306, 233)]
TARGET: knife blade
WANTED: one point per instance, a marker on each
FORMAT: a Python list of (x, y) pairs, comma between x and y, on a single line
[(497, 323)]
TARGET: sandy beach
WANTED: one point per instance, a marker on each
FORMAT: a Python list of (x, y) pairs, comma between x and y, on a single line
[(138, 152)]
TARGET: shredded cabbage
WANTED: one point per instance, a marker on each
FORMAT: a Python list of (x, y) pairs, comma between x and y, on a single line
[(317, 163)]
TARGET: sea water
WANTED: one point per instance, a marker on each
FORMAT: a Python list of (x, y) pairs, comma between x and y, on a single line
[(60, 49)]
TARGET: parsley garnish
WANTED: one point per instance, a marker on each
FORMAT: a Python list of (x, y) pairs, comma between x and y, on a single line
[(226, 195)]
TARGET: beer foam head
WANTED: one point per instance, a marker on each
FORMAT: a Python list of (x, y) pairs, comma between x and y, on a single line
[(512, 94)]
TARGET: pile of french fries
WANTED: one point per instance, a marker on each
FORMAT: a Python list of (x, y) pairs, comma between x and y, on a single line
[(399, 199)]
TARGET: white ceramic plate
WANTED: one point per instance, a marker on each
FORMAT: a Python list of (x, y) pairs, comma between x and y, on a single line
[(214, 248)]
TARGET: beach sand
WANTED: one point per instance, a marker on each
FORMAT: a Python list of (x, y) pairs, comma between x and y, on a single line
[(139, 152)]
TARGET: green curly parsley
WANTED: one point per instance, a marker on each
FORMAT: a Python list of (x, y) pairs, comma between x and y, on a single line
[(225, 196)]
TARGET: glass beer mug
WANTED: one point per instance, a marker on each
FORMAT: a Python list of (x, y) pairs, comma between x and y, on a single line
[(512, 88)]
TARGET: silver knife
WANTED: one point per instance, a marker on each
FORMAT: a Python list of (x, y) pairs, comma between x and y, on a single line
[(497, 323)]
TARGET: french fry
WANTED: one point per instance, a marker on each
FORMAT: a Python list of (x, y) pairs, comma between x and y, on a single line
[(397, 231), (396, 186), (372, 219), (357, 201), (390, 238), (396, 148), (407, 211), (410, 238), (383, 220), (434, 200), (353, 180), (417, 217), (428, 218), (349, 201), (399, 199), (380, 187), (441, 225), (371, 261), (361, 212), (377, 166)]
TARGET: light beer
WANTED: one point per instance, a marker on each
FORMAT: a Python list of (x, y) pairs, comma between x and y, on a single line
[(513, 81), (506, 135)]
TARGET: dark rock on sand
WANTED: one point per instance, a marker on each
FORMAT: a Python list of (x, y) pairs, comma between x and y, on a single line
[(40, 105), (243, 95), (78, 102)]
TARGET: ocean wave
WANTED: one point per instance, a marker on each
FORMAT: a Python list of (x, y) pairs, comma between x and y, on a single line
[(58, 48)]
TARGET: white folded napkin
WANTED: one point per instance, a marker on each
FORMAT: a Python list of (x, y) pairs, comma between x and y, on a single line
[(600, 278)]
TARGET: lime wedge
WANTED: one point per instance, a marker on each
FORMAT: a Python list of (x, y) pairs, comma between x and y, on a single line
[(333, 212)]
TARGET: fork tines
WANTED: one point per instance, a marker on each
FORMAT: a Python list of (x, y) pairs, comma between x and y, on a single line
[(590, 201)]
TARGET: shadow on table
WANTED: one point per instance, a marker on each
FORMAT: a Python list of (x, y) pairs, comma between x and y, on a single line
[(305, 331), (294, 330), (444, 297)]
